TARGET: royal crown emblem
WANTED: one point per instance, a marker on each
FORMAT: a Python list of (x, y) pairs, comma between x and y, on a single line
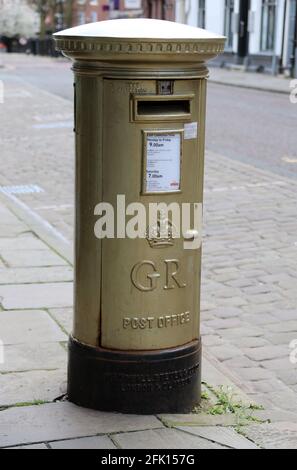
[(161, 235)]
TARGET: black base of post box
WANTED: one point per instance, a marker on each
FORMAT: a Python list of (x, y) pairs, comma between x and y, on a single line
[(167, 381)]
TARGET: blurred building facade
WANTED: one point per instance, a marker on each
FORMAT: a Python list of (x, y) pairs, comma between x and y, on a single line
[(261, 34), (60, 14), (159, 9), (88, 11), (56, 15)]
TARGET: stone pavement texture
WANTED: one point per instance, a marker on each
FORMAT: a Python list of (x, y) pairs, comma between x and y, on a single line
[(249, 313), (255, 81), (33, 414)]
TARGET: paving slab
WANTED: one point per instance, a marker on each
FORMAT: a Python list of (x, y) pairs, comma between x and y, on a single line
[(202, 419), (285, 314), (6, 213), (31, 387), (262, 319), (283, 327), (37, 296), (272, 436), (250, 342), (282, 363), (265, 353), (276, 415), (262, 400), (57, 421), (36, 275), (14, 229), (163, 439), (223, 323), (289, 377), (233, 301), (97, 443), (282, 338), (31, 447), (239, 362), (29, 326), (242, 332), (217, 376), (225, 352), (29, 240), (212, 340), (225, 436), (63, 316), (31, 258), (254, 374), (284, 399), (269, 386), (8, 218), (226, 312), (33, 356)]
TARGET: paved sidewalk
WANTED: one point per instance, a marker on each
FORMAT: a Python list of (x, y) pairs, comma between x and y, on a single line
[(35, 320), (249, 314), (250, 257), (249, 278), (251, 80)]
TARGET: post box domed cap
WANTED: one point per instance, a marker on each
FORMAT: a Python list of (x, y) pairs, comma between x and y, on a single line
[(132, 36), (138, 29)]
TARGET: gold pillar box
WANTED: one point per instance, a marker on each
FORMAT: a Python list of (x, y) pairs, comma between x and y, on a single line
[(140, 94)]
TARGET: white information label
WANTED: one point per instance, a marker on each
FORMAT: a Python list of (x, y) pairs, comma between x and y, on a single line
[(191, 130), (163, 162)]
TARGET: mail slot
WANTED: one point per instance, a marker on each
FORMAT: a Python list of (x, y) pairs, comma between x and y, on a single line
[(158, 108), (140, 94)]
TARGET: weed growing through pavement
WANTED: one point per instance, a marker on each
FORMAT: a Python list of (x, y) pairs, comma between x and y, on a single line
[(225, 403), (24, 404)]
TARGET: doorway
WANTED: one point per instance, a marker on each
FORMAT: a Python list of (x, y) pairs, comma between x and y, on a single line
[(243, 34)]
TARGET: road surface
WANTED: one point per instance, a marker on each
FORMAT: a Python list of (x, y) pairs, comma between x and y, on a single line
[(254, 127)]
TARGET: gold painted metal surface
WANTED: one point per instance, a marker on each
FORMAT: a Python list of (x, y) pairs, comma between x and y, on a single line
[(143, 294), (88, 193), (145, 314)]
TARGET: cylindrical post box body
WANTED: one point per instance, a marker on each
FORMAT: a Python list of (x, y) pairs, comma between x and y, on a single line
[(140, 94)]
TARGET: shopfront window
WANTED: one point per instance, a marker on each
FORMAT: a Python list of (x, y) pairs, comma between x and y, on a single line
[(268, 25), (228, 29), (201, 14)]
